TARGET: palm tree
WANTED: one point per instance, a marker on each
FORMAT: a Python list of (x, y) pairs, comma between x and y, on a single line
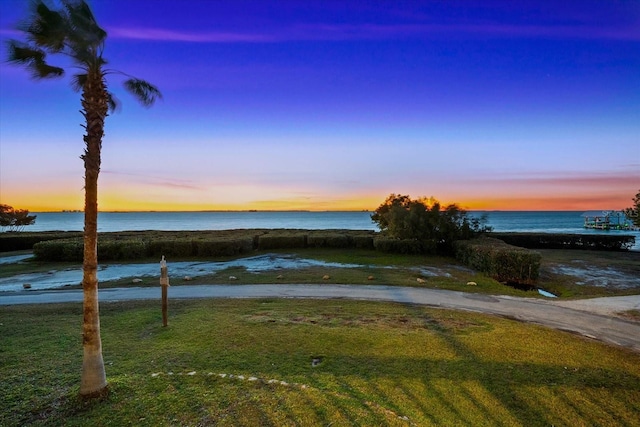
[(72, 31)]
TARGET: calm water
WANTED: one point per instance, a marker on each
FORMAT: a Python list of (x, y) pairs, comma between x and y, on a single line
[(550, 222), (181, 221)]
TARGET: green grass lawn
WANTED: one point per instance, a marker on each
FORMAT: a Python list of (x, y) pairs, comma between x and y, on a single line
[(249, 362)]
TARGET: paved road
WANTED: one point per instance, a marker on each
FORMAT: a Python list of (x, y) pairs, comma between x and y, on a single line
[(582, 317)]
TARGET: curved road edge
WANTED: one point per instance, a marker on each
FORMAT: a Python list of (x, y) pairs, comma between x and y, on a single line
[(563, 315)]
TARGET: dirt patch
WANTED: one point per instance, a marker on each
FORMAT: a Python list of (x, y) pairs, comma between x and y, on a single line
[(627, 306), (599, 269), (630, 315), (597, 276), (453, 324)]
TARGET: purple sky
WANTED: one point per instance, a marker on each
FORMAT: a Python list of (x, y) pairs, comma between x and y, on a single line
[(335, 104)]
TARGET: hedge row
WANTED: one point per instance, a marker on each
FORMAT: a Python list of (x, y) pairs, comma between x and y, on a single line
[(503, 262), (405, 246), (21, 241), (604, 242), (285, 238), (131, 246), (110, 249), (131, 249)]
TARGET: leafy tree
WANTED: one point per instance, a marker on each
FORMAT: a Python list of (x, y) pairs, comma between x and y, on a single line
[(5, 215), (427, 221), (15, 220), (71, 31), (633, 213)]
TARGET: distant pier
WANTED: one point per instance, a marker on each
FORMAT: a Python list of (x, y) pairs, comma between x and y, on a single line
[(607, 220)]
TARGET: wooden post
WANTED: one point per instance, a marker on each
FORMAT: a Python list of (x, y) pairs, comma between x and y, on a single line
[(164, 283)]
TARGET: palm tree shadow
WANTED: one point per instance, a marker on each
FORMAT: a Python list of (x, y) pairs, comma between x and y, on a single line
[(507, 389)]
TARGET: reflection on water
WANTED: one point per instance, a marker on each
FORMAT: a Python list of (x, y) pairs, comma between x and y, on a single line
[(14, 258), (108, 272), (546, 294), (598, 276)]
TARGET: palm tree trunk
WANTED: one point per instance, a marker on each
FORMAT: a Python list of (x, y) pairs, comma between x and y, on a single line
[(94, 102)]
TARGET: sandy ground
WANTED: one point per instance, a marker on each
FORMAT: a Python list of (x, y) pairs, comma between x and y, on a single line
[(606, 306)]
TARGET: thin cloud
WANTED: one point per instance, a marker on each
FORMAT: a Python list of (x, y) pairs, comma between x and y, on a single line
[(565, 202), (157, 34), (340, 32), (7, 32), (375, 31), (170, 184), (586, 180), (156, 182), (552, 32)]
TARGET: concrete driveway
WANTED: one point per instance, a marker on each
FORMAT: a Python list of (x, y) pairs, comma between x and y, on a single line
[(591, 318)]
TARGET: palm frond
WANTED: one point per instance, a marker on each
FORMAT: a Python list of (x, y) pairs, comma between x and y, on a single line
[(78, 81), (20, 53), (73, 31), (46, 28), (42, 70), (33, 59), (114, 103), (85, 29), (86, 38), (146, 93)]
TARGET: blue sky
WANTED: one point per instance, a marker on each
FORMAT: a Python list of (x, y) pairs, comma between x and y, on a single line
[(528, 105)]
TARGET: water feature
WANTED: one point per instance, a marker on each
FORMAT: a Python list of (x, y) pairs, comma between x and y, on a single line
[(110, 272)]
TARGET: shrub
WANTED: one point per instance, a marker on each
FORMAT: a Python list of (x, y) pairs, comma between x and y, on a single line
[(404, 246), (501, 261), (605, 242), (70, 250), (223, 247), (425, 220), (109, 249), (48, 251), (328, 240), (20, 241), (178, 247), (282, 241), (363, 241)]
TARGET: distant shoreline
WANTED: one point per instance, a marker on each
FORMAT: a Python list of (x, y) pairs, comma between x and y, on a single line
[(312, 211), (213, 211)]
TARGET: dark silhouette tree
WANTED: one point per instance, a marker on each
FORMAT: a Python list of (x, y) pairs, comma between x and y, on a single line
[(71, 30), (15, 219), (633, 213)]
